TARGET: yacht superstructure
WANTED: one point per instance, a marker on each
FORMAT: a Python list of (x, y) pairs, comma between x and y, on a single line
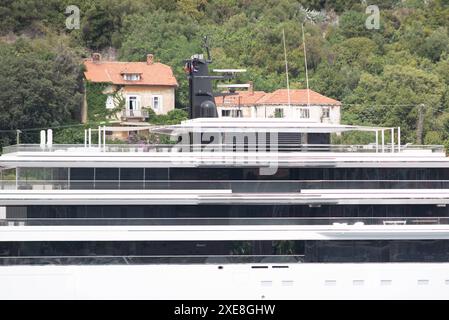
[(240, 209)]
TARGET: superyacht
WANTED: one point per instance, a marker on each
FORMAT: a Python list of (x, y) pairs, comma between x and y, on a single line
[(232, 209)]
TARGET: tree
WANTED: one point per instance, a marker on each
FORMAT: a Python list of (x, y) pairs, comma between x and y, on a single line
[(31, 16), (172, 117), (392, 99), (170, 36), (38, 88), (103, 20), (352, 24)]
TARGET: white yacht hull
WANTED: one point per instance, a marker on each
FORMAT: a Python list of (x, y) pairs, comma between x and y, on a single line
[(233, 281)]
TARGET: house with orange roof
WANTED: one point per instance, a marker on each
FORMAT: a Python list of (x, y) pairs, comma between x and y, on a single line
[(307, 105), (139, 86)]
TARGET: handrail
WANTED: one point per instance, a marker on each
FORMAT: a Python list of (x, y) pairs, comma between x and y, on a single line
[(274, 186), (224, 147), (216, 221), (134, 113)]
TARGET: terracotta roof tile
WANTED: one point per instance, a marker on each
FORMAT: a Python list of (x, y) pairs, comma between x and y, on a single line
[(156, 74), (242, 98), (297, 97)]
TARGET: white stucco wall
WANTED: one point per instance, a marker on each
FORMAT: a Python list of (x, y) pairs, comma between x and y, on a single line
[(146, 94), (292, 112)]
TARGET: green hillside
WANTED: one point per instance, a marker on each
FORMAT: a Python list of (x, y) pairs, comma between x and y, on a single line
[(383, 77)]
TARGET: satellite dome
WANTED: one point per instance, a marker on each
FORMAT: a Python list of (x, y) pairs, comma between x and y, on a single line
[(208, 109)]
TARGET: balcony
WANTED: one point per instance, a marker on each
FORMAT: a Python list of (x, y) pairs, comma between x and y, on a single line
[(133, 114)]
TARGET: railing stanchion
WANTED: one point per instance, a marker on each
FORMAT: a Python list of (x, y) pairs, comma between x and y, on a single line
[(104, 138), (392, 140), (377, 141)]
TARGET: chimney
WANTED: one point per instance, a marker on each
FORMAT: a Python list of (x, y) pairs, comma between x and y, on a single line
[(96, 57), (150, 59), (251, 87)]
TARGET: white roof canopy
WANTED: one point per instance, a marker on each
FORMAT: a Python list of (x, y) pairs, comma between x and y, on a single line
[(254, 125)]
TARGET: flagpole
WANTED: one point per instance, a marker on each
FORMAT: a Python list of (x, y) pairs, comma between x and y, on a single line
[(286, 68), (305, 62)]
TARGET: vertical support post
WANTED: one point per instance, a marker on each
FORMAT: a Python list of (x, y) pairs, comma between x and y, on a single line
[(85, 138), (392, 140), (43, 138), (377, 141), (104, 138), (18, 132), (50, 138), (99, 137), (399, 139), (383, 140), (90, 137)]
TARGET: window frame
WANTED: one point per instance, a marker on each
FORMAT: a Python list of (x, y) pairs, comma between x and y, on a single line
[(131, 76), (279, 111), (110, 102), (326, 112), (304, 113), (228, 113), (128, 100), (160, 101)]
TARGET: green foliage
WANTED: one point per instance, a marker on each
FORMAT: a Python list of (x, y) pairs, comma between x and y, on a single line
[(353, 138), (172, 117), (39, 87), (170, 36), (103, 20), (433, 137), (69, 135), (392, 99), (96, 102), (31, 15), (446, 146), (353, 24)]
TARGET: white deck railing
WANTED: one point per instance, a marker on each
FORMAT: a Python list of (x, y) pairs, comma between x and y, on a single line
[(371, 148)]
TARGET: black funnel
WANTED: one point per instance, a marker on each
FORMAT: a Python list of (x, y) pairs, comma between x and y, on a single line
[(202, 102)]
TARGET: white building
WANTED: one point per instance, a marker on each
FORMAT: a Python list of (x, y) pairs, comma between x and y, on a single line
[(294, 104)]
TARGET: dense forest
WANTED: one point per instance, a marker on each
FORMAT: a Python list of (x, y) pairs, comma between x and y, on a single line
[(396, 75)]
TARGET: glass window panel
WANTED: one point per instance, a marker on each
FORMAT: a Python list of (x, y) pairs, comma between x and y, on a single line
[(107, 174), (131, 174)]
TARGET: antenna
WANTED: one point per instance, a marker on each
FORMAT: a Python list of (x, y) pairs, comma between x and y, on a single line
[(286, 67), (305, 61), (206, 46)]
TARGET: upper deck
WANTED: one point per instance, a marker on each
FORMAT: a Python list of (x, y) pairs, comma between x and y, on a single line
[(146, 156), (231, 143)]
